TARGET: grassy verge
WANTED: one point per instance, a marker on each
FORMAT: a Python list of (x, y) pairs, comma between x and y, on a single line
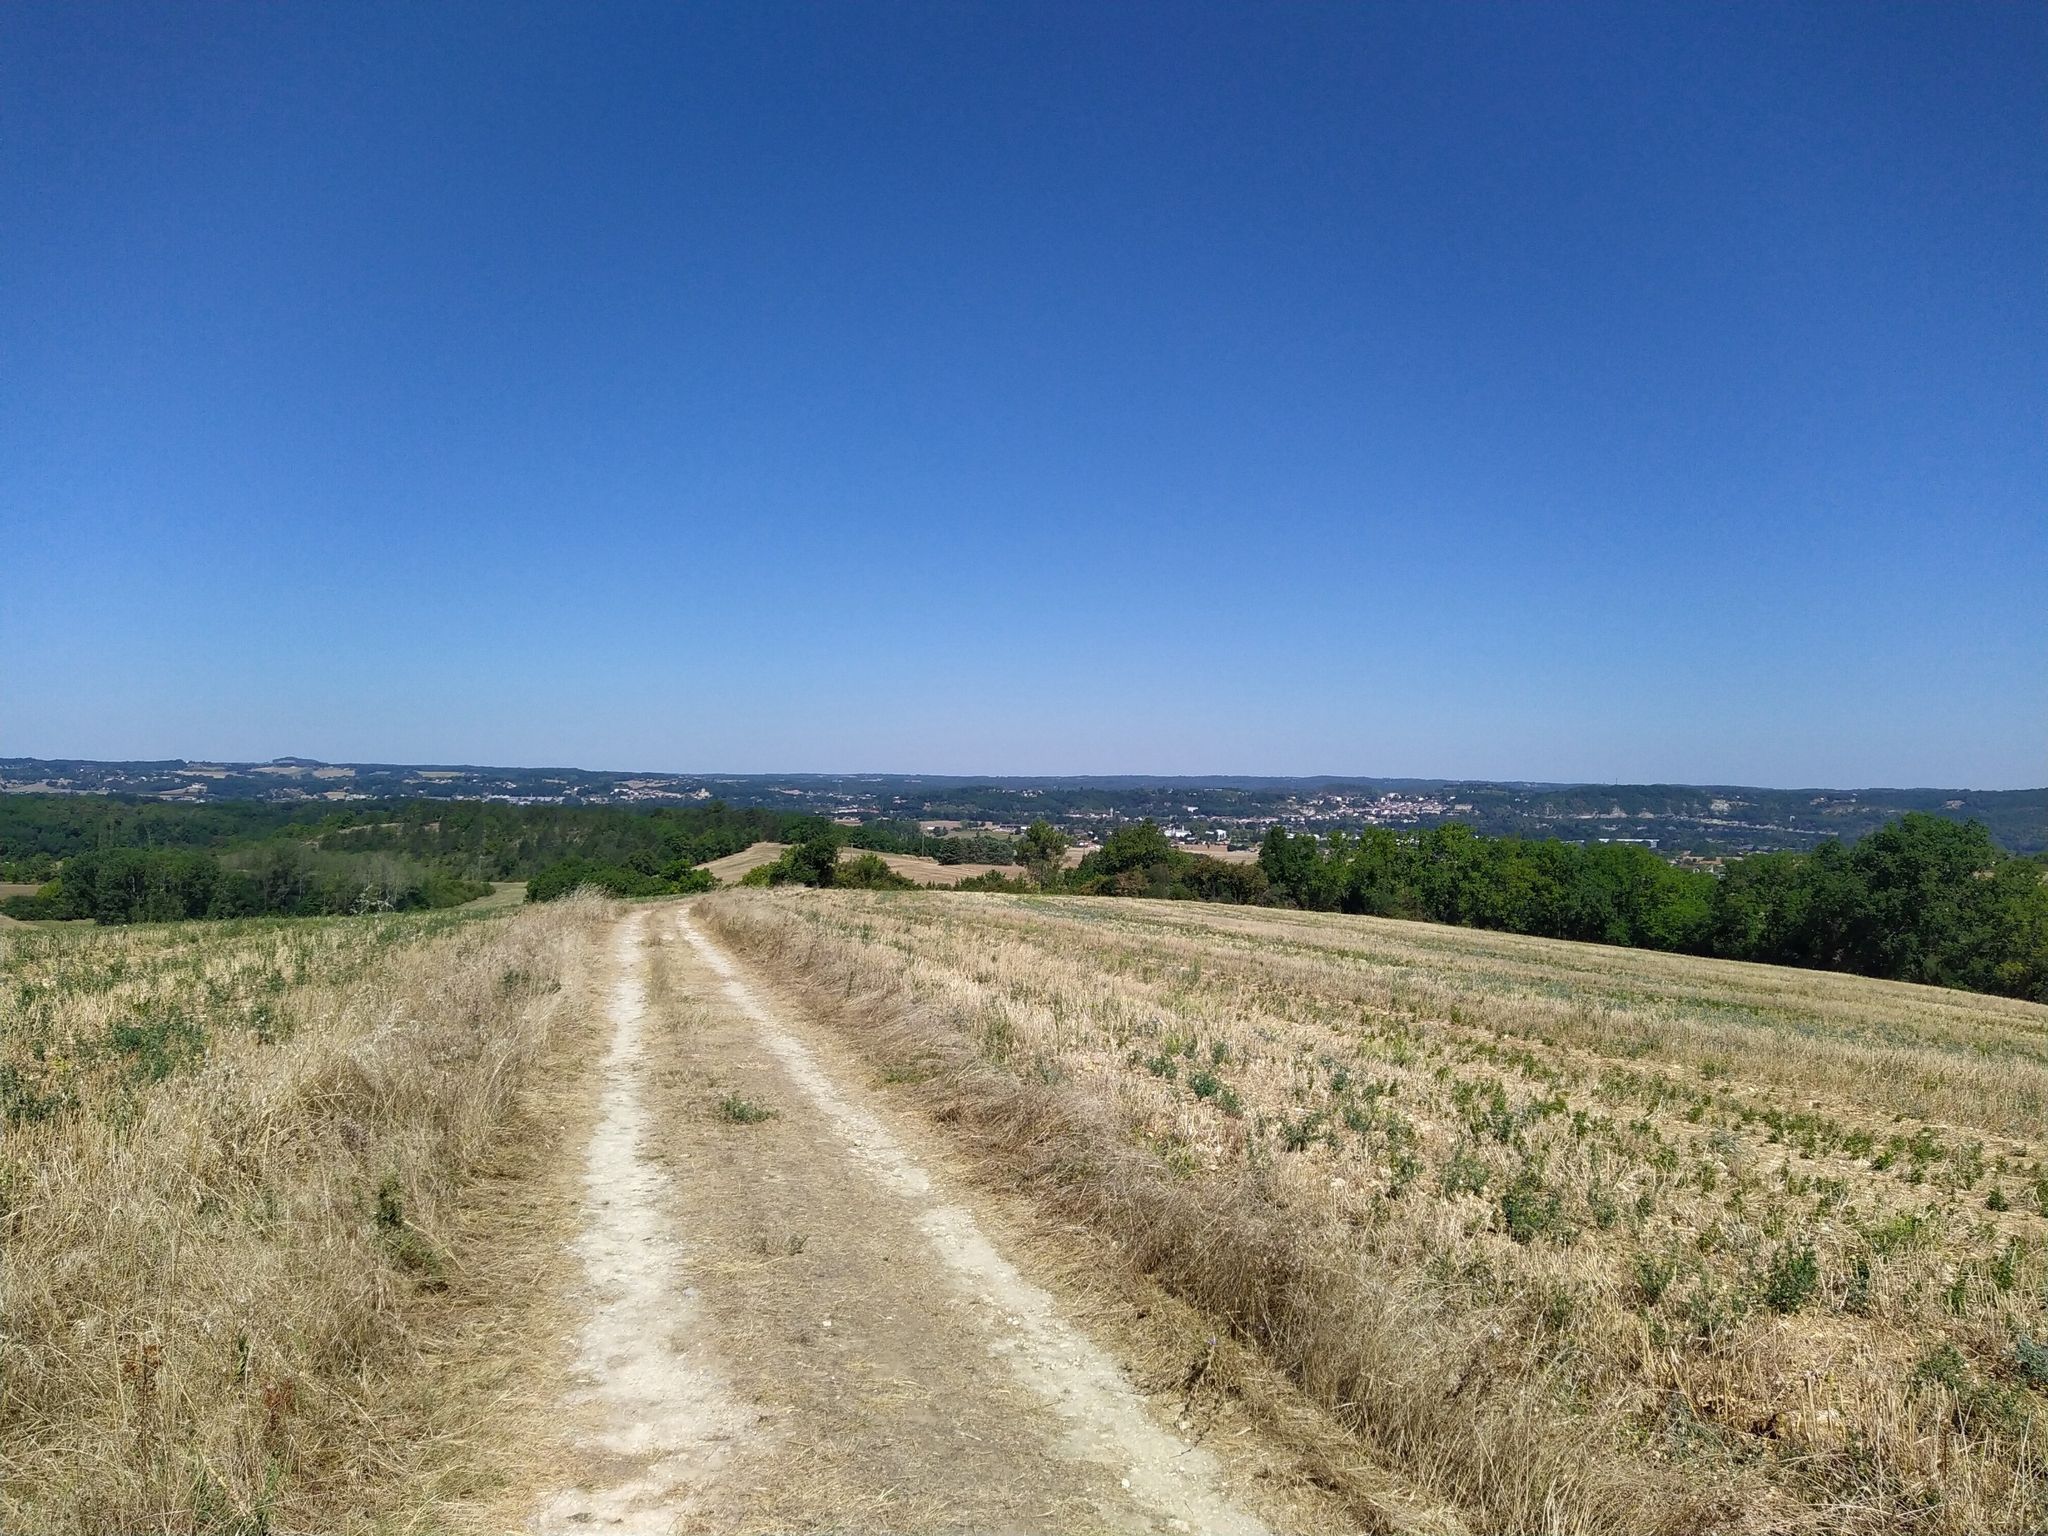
[(228, 1178), (1579, 1239)]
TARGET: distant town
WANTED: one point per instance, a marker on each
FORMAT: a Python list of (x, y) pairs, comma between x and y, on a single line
[(1686, 823)]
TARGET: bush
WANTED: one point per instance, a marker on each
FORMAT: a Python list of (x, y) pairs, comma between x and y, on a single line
[(1529, 1208), (1653, 1276), (814, 861), (1792, 1279), (559, 879), (996, 880), (36, 906), (869, 872), (735, 1110)]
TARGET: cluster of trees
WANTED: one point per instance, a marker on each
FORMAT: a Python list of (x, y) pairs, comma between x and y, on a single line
[(1920, 899), (566, 875), (908, 837), (32, 869), (1138, 860), (155, 885), (478, 839), (118, 860), (815, 861), (42, 830), (1607, 893), (516, 842), (1923, 899)]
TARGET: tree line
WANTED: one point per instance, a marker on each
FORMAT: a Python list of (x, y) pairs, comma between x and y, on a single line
[(482, 840), (119, 860), (161, 885), (1921, 899)]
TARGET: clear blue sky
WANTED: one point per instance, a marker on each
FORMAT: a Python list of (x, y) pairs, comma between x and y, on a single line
[(1568, 392)]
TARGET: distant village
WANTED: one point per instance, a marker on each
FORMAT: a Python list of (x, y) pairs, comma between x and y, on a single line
[(1690, 826)]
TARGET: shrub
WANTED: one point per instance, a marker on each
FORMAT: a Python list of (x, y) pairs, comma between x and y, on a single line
[(1465, 1173), (2031, 1360), (156, 1043), (735, 1110), (1653, 1276), (870, 872), (1529, 1208), (996, 880), (1792, 1279)]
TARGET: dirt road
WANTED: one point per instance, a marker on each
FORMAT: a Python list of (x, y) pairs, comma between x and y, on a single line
[(798, 1319)]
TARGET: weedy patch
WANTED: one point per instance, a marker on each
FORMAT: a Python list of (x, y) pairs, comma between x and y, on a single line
[(735, 1110), (156, 1042), (411, 1249)]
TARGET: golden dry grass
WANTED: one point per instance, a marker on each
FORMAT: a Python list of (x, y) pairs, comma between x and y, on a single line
[(228, 1180), (735, 866), (1580, 1239), (924, 871)]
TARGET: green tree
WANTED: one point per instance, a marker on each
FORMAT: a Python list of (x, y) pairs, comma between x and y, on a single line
[(1043, 850), (869, 872)]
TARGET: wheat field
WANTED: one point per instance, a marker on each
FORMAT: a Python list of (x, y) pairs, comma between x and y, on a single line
[(1572, 1238)]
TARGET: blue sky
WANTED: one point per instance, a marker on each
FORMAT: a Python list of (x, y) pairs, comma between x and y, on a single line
[(1563, 392)]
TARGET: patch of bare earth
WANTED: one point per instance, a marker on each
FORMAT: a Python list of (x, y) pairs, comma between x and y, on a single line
[(653, 1419)]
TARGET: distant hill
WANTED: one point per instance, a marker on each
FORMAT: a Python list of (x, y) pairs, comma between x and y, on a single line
[(1676, 819)]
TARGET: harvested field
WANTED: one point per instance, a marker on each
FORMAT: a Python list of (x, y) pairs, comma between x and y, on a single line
[(236, 1292), (1575, 1238), (504, 893), (931, 872), (736, 866)]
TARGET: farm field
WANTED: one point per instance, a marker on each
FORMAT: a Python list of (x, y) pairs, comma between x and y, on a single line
[(931, 872), (230, 1184), (1570, 1237), (538, 1218), (925, 871), (736, 866), (917, 1211)]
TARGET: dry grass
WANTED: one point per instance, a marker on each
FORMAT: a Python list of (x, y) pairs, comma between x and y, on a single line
[(915, 866), (1580, 1239), (735, 866), (226, 1194)]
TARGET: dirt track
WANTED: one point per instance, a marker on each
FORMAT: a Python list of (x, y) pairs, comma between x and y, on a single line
[(801, 1322)]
